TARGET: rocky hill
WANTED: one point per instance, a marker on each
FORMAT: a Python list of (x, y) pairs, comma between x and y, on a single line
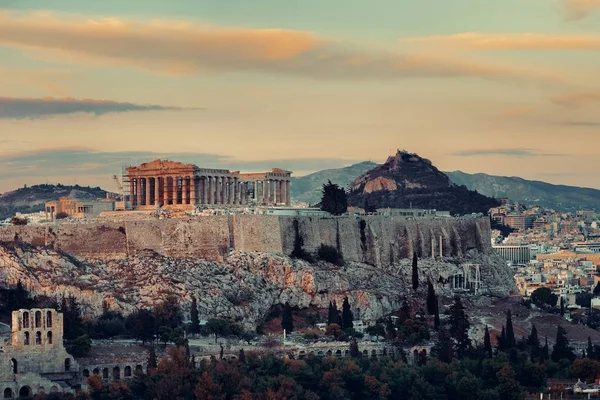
[(406, 180), (559, 197), (308, 189), (245, 286), (32, 198)]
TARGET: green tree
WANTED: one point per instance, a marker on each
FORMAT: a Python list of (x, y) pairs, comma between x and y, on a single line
[(376, 330), (142, 325), (334, 199), (590, 349), (545, 351), (81, 346), (347, 316), (436, 317), (218, 327), (415, 273), (561, 348), (152, 363), (287, 319), (543, 297), (487, 344), (534, 344), (195, 327)]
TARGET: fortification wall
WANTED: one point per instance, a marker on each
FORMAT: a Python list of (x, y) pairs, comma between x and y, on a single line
[(377, 240)]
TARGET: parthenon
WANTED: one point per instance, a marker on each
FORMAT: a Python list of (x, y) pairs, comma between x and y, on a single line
[(173, 184)]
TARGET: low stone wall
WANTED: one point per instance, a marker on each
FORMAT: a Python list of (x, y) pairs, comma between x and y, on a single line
[(377, 240)]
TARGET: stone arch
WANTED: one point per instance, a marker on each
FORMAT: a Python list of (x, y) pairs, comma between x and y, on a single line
[(49, 337), (25, 392), (346, 353), (338, 353), (26, 338), (329, 353), (38, 337), (139, 369), (26, 319), (374, 353), (86, 372), (54, 389), (38, 319), (105, 373), (96, 371), (127, 371), (49, 319), (116, 373), (8, 393), (320, 353), (366, 353), (41, 390), (13, 363), (67, 364)]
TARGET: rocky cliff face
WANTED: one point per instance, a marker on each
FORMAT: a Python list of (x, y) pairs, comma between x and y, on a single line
[(245, 286), (406, 180)]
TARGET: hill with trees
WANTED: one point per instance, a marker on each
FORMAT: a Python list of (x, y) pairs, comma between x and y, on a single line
[(30, 199), (407, 180)]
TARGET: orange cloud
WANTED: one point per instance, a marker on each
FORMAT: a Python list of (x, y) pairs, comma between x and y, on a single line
[(577, 99), (175, 47), (529, 41), (516, 112), (579, 9)]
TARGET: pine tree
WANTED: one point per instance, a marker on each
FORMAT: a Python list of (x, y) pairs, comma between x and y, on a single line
[(431, 298), (347, 316), (334, 199), (194, 316), (510, 334), (561, 348), (242, 356), (287, 320), (487, 344), (590, 349), (415, 273), (562, 306), (443, 348), (597, 289)]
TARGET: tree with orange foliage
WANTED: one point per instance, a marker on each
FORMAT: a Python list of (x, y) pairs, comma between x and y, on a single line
[(207, 389), (333, 330)]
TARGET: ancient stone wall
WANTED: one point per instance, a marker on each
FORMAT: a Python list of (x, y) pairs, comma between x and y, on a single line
[(377, 240)]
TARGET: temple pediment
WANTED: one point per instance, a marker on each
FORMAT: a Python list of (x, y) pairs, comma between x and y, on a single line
[(159, 164)]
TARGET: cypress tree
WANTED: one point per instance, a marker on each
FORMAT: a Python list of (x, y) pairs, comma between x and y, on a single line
[(561, 348), (436, 317), (590, 349), (534, 343), (390, 331), (415, 273), (194, 316), (459, 327), (510, 334), (562, 306), (330, 315), (152, 359), (502, 340), (242, 356), (354, 351), (431, 298), (487, 344), (287, 320), (545, 351), (347, 316)]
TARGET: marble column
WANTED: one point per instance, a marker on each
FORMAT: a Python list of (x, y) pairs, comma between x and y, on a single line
[(265, 191), (165, 186), (204, 190), (132, 192), (271, 191), (243, 198), (218, 186), (278, 186), (185, 190), (288, 199), (173, 190), (138, 192), (193, 191), (156, 191), (211, 190), (146, 191), (236, 191)]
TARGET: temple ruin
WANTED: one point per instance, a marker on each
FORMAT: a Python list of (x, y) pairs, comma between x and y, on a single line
[(170, 184)]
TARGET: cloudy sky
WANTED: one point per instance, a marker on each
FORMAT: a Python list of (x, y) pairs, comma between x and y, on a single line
[(503, 87)]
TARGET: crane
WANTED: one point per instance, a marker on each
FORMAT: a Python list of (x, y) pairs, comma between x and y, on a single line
[(119, 186)]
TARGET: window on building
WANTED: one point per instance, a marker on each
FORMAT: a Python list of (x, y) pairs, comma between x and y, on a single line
[(49, 337), (26, 338), (67, 364), (49, 319), (38, 319), (38, 337), (25, 319)]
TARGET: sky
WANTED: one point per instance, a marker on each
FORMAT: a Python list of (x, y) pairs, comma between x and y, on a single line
[(505, 87)]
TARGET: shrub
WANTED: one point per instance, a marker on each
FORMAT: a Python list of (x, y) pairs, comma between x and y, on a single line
[(19, 221), (61, 215), (330, 254)]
